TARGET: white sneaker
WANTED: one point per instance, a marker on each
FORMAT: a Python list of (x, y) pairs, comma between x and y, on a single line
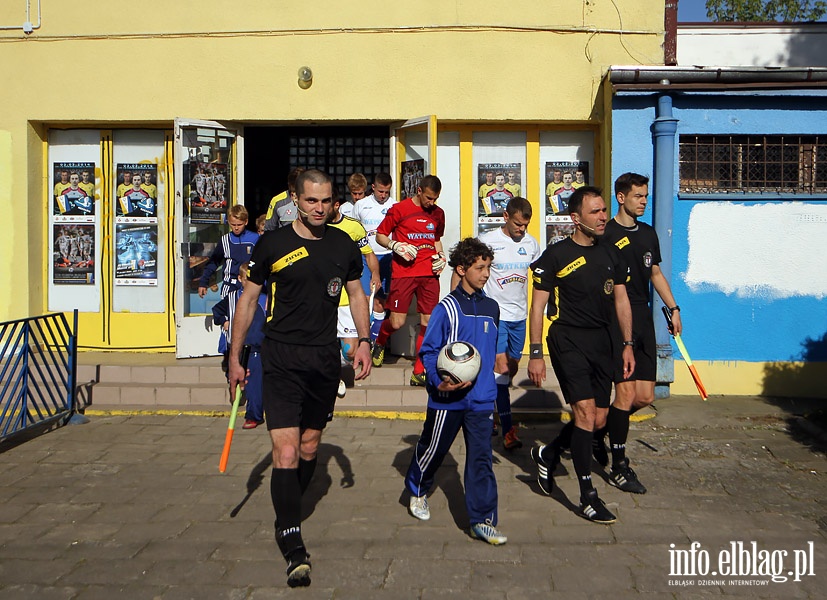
[(419, 507), (342, 389), (488, 533)]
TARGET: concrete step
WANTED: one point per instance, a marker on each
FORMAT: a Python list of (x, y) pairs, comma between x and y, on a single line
[(161, 381)]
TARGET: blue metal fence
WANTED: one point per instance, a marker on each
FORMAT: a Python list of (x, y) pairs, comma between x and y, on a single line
[(38, 372)]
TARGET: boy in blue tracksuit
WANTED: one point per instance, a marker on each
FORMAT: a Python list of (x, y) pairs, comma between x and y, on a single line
[(223, 313), (468, 315), (236, 248)]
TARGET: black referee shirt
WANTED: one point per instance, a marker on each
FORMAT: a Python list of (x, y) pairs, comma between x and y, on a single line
[(640, 249), (306, 278), (581, 280)]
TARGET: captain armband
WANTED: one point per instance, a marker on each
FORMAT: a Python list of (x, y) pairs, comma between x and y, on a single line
[(535, 351)]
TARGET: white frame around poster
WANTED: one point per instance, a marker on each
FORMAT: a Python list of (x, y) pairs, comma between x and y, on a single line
[(562, 146), (142, 146), (496, 147), (74, 145)]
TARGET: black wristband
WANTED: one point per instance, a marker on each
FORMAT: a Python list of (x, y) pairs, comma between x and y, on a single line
[(629, 343), (366, 339), (675, 308), (535, 351)]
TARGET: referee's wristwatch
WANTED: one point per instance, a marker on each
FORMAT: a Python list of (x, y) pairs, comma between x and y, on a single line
[(365, 339), (629, 343), (675, 308)]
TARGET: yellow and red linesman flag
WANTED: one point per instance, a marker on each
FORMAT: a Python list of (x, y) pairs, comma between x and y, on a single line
[(228, 438), (692, 370), (685, 354)]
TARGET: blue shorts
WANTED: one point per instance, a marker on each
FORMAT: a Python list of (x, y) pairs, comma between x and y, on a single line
[(511, 338), (384, 276)]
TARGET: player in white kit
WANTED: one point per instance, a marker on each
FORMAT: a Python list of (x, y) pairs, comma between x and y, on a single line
[(371, 211), (514, 250)]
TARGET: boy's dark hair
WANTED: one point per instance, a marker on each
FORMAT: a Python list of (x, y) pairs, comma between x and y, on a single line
[(467, 251), (624, 183), (576, 199)]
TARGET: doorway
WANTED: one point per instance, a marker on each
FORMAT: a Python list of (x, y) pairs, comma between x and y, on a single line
[(271, 152)]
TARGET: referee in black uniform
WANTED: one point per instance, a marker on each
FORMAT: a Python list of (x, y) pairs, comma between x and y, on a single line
[(587, 278), (638, 244), (306, 265)]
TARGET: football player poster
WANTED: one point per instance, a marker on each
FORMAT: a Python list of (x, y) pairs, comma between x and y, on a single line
[(136, 193), (74, 191), (136, 254), (73, 255), (497, 184)]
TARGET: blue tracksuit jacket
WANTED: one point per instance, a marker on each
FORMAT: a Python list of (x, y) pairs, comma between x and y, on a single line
[(472, 318)]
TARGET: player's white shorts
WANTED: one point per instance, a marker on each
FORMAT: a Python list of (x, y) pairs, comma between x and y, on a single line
[(345, 326)]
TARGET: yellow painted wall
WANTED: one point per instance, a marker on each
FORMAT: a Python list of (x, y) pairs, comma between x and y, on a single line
[(119, 64), (781, 379)]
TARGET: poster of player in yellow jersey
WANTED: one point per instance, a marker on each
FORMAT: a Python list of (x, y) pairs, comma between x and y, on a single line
[(73, 192)]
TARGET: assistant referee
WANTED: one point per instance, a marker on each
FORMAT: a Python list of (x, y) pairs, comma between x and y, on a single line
[(309, 263)]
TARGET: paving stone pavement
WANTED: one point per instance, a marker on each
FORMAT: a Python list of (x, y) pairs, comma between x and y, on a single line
[(134, 507)]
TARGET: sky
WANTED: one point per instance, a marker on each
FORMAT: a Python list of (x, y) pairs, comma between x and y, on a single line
[(690, 11), (694, 11)]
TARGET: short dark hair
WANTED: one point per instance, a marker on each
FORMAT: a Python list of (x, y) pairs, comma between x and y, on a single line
[(382, 179), (624, 183), (431, 182), (518, 204), (466, 252), (311, 175), (576, 199)]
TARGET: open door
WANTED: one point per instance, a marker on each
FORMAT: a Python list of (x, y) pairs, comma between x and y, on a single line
[(206, 185), (413, 153)]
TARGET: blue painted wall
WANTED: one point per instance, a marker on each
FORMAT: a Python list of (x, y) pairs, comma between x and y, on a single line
[(720, 326)]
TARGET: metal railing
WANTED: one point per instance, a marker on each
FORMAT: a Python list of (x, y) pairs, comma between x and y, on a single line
[(38, 372)]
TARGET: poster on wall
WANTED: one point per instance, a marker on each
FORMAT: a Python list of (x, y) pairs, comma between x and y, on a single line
[(136, 254), (562, 178), (73, 256), (498, 183), (74, 192), (136, 196), (207, 187), (412, 173), (558, 228)]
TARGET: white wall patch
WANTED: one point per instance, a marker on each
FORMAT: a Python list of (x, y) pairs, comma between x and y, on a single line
[(769, 251)]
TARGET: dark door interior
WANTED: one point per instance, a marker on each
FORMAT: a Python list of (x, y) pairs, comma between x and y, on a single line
[(270, 153)]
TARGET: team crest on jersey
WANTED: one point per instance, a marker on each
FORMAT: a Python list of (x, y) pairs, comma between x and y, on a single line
[(334, 286), (608, 287), (522, 251), (647, 260), (430, 227)]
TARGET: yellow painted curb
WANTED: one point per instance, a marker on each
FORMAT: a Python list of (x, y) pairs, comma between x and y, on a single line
[(355, 414)]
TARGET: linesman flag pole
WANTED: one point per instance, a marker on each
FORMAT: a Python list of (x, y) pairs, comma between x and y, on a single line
[(228, 440), (685, 354)]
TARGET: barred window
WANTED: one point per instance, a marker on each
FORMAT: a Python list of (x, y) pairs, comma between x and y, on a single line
[(789, 164)]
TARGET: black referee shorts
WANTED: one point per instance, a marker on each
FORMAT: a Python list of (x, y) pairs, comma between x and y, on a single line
[(582, 362), (299, 384), (646, 348)]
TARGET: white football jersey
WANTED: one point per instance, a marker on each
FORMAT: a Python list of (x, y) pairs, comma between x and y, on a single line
[(508, 283), (370, 213)]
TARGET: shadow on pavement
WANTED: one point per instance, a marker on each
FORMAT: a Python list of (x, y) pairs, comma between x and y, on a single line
[(447, 479)]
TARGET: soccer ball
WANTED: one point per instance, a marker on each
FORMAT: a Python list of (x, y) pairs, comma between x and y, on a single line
[(459, 361)]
